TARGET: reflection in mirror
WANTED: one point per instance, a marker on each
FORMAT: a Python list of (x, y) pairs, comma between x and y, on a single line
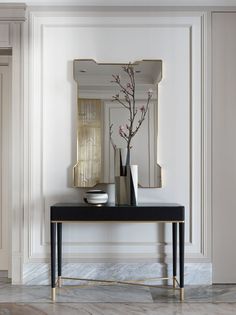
[(97, 112)]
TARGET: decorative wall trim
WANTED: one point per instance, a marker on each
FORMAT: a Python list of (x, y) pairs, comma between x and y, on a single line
[(5, 145), (1, 162), (11, 17), (12, 12), (199, 226), (4, 34), (154, 4), (17, 156)]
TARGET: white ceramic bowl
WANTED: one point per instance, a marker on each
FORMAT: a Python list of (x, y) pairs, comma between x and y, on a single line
[(96, 197)]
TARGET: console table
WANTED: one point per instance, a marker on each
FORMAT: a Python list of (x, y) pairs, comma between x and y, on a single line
[(75, 212)]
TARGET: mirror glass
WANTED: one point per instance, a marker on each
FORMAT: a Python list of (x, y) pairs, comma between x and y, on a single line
[(99, 115)]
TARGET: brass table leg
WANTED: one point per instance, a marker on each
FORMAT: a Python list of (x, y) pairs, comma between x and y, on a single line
[(181, 294), (174, 282), (53, 294), (59, 281)]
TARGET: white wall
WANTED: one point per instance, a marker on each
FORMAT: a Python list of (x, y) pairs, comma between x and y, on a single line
[(54, 40)]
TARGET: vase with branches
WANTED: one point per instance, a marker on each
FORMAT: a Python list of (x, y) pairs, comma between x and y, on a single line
[(126, 175), (127, 98)]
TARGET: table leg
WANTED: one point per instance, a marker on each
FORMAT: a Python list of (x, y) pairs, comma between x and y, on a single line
[(59, 252), (174, 254), (181, 259), (53, 261)]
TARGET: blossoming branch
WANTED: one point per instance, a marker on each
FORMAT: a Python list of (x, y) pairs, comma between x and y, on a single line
[(127, 99)]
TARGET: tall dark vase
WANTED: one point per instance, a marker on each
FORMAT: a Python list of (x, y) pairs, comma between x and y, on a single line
[(126, 179)]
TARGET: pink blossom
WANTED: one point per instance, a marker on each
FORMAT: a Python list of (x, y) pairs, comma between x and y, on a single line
[(142, 108)]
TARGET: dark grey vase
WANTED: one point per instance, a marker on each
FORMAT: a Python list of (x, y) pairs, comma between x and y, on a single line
[(126, 179)]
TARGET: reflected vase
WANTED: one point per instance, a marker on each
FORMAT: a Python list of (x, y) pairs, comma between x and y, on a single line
[(126, 178)]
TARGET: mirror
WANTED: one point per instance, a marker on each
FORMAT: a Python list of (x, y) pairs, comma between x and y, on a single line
[(97, 112)]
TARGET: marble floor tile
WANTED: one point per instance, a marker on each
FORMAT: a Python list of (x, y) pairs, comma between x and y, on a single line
[(114, 293), (118, 309), (117, 299), (4, 280), (21, 309), (118, 293), (211, 294), (27, 294)]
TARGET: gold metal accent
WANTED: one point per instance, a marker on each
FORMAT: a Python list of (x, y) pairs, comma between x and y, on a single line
[(116, 281), (181, 294), (128, 282), (111, 63), (94, 282), (108, 284), (53, 294), (177, 282), (59, 281), (174, 282), (88, 172)]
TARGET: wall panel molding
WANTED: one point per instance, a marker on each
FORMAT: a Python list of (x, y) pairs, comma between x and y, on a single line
[(12, 12), (192, 31), (5, 132), (18, 197), (11, 18)]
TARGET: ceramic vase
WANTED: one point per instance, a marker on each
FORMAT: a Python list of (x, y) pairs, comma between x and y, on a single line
[(126, 179)]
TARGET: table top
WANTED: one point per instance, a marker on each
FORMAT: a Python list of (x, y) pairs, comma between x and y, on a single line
[(149, 212)]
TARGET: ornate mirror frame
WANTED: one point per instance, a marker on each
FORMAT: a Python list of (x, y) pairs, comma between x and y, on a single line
[(96, 113)]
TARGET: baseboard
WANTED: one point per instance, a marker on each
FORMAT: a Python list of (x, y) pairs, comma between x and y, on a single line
[(195, 273)]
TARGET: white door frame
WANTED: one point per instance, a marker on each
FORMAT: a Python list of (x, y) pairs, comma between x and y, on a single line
[(5, 116), (11, 30)]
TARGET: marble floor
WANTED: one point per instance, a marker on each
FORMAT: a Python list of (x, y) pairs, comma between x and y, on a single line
[(117, 299)]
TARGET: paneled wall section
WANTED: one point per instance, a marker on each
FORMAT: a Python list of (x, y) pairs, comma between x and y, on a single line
[(55, 40)]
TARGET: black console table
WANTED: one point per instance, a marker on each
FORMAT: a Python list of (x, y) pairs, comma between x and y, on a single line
[(73, 212)]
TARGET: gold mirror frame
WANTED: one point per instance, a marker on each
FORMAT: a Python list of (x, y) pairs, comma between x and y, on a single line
[(95, 90)]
